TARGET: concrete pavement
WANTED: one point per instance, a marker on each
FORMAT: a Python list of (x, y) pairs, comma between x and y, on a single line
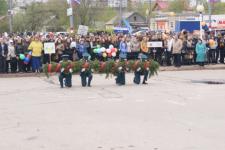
[(170, 113)]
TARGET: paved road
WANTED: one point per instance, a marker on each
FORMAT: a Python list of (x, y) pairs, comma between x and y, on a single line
[(171, 113)]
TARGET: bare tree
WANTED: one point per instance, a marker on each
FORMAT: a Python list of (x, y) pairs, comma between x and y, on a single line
[(82, 12)]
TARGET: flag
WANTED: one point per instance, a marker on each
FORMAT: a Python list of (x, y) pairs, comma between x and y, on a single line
[(127, 24)]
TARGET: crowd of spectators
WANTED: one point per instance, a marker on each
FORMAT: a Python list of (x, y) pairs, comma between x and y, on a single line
[(177, 49)]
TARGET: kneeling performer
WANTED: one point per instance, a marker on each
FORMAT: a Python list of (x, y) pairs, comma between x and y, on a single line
[(121, 70), (86, 71), (141, 71), (65, 76)]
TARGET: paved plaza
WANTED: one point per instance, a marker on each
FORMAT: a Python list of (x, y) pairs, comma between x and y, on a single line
[(175, 111)]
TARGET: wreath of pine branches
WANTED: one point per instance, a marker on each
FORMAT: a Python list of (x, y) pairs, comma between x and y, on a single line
[(107, 67)]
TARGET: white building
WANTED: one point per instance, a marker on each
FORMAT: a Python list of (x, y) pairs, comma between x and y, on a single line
[(167, 22), (117, 3)]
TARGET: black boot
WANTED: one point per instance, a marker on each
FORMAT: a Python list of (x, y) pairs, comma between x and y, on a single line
[(145, 77), (137, 78), (120, 80), (61, 77), (89, 80), (68, 82), (123, 80), (83, 79)]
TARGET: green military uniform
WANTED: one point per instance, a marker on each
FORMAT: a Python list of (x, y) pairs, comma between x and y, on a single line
[(86, 71), (65, 76), (120, 73), (141, 71)]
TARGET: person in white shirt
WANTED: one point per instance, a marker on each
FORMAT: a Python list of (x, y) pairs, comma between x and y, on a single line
[(73, 44), (169, 49), (11, 61)]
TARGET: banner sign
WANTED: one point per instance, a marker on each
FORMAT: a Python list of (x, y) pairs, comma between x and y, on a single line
[(49, 48), (82, 30), (69, 12), (155, 44), (120, 30)]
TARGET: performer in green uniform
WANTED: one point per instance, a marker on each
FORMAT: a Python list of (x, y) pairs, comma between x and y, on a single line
[(141, 71), (86, 71), (121, 70), (65, 76)]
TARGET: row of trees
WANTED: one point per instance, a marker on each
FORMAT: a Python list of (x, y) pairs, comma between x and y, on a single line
[(3, 7), (3, 14), (52, 14), (36, 16), (42, 15), (178, 6)]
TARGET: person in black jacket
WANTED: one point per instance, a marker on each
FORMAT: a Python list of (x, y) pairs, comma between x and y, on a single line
[(3, 55), (221, 47), (121, 71), (20, 50)]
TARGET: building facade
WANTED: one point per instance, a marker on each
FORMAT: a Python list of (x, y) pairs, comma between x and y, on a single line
[(135, 19), (168, 22), (117, 3)]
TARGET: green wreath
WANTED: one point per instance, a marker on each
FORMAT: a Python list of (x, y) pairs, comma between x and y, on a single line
[(108, 67)]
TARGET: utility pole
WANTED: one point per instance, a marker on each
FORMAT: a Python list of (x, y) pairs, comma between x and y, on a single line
[(10, 15), (71, 16), (120, 14), (149, 13), (210, 14)]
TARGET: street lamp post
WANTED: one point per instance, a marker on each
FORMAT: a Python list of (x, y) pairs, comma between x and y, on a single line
[(71, 16), (10, 13), (210, 14), (121, 15), (147, 16), (171, 21), (149, 12), (200, 9)]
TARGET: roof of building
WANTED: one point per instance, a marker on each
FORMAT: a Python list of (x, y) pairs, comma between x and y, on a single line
[(124, 15), (161, 5)]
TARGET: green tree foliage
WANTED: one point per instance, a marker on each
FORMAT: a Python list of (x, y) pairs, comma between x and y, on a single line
[(178, 6), (218, 8), (3, 12), (3, 7), (83, 13), (86, 14), (39, 16), (52, 16), (105, 14), (58, 9), (4, 26)]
